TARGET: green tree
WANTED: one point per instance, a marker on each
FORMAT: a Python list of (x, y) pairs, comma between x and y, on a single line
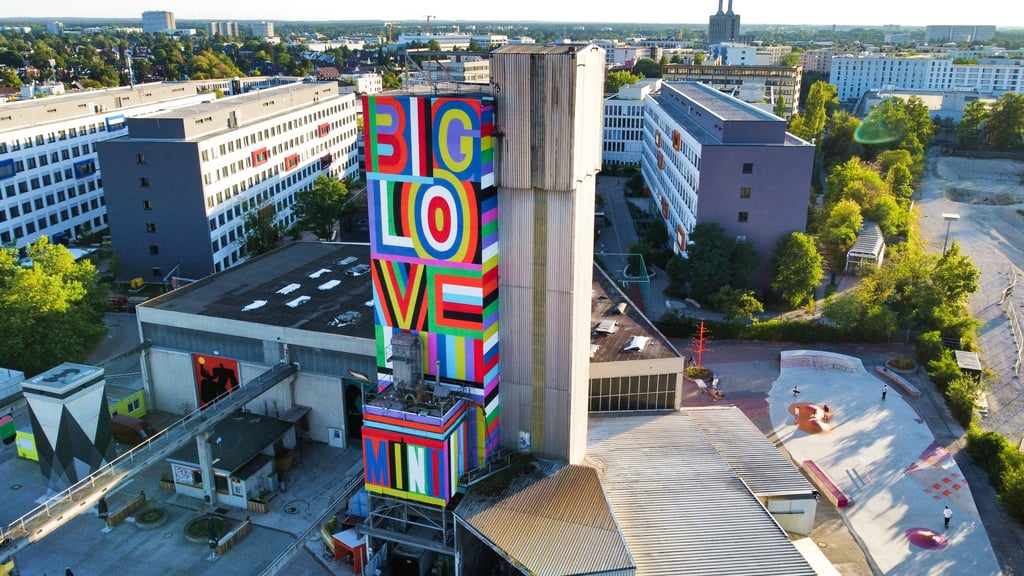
[(618, 79), (955, 276), (841, 227), (859, 312), (971, 128), (260, 232), (901, 183), (391, 81), (856, 181), (706, 267), (820, 101), (743, 259), (920, 119), (698, 58), (791, 60), (889, 158), (797, 267), (320, 207), (50, 312), (839, 142), (735, 304), (9, 79), (647, 68), (889, 216), (780, 106), (1005, 126)]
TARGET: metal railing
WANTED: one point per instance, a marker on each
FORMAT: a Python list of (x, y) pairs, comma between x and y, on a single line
[(285, 557), (71, 501)]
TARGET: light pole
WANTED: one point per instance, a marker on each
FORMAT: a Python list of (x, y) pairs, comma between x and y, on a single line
[(949, 218)]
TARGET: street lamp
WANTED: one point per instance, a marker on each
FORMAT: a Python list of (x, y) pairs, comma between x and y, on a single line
[(949, 218)]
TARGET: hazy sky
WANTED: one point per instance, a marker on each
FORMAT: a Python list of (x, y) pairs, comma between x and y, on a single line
[(1009, 13)]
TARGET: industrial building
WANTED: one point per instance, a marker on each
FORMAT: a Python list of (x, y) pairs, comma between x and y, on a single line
[(51, 181), (723, 26), (188, 177), (759, 85), (709, 157)]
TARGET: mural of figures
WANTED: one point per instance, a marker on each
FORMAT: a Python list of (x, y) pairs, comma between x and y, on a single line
[(215, 377), (434, 249)]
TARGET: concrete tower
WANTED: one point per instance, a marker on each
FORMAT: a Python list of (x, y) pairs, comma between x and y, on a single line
[(723, 26), (549, 116)]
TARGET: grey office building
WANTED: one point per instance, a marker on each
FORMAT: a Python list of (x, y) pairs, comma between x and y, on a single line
[(709, 157), (185, 179)]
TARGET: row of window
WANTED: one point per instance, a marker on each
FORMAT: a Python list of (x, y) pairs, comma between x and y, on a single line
[(41, 202), (243, 142), (13, 234), (50, 137)]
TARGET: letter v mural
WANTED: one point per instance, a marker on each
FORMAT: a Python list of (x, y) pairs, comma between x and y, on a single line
[(433, 213)]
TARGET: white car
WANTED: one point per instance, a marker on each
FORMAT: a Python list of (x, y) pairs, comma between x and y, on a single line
[(358, 270)]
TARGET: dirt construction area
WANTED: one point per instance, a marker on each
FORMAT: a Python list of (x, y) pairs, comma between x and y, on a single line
[(988, 197)]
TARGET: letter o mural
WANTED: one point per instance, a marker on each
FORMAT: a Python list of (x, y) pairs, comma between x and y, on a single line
[(447, 216)]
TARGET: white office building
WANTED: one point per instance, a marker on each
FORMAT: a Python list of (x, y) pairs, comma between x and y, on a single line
[(188, 177), (623, 123), (50, 179)]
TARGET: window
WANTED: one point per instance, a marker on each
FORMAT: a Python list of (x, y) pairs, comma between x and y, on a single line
[(154, 249), (743, 217), (151, 226), (147, 204), (144, 182), (140, 158), (745, 192), (748, 167), (158, 272)]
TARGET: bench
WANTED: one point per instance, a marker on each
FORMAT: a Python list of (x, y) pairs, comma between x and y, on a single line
[(899, 381), (825, 484)]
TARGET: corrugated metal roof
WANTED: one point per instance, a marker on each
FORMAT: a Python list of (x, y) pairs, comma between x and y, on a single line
[(748, 452), (540, 49), (681, 508), (553, 521)]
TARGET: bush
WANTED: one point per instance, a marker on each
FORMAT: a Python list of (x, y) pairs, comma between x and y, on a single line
[(929, 346), (993, 452), (1012, 493), (902, 362), (694, 372), (944, 370), (961, 395)]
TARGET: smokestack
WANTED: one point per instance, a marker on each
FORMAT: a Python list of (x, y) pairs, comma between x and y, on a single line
[(730, 6), (720, 6)]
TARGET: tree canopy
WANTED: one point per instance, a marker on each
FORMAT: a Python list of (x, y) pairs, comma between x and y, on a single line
[(713, 260), (319, 208), (797, 267), (820, 101), (50, 312), (261, 232), (618, 79), (647, 68)]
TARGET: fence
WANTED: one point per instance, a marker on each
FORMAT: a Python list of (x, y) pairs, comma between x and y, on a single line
[(133, 506), (228, 541)]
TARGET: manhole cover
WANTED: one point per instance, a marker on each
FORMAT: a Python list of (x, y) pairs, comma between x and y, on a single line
[(296, 506), (167, 535), (15, 486)]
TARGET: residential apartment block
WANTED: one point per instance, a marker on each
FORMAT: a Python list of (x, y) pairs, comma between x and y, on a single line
[(187, 177), (753, 84), (708, 157), (855, 75), (229, 29), (50, 178), (954, 33), (157, 21)]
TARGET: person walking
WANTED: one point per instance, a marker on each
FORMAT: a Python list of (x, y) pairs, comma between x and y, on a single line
[(68, 572), (795, 390), (946, 515), (885, 388)]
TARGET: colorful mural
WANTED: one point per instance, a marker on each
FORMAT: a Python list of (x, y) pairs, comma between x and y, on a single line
[(215, 377), (434, 247)]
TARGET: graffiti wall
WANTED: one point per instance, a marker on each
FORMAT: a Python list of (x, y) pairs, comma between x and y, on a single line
[(434, 249)]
